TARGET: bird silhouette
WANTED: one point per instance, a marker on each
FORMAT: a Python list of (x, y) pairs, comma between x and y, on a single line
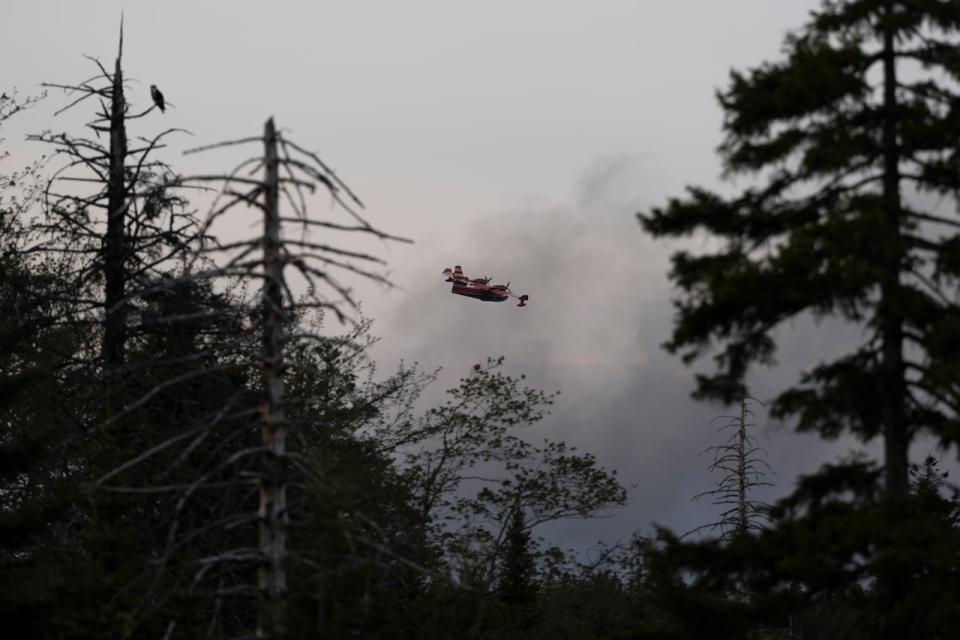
[(157, 97)]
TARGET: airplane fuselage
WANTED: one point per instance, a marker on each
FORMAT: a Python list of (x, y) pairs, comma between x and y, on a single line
[(484, 294)]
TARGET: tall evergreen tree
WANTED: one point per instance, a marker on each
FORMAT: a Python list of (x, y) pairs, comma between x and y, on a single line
[(843, 135), (518, 587), (848, 137)]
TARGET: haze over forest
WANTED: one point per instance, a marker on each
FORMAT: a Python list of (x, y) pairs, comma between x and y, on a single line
[(197, 442)]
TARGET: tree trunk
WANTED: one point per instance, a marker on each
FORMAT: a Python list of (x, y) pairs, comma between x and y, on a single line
[(114, 329), (743, 516), (273, 514), (893, 582), (893, 387)]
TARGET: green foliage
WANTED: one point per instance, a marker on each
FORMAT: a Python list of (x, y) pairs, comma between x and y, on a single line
[(838, 136), (825, 232), (823, 567), (470, 471), (517, 575)]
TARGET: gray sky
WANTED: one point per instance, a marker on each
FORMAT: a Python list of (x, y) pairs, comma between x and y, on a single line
[(516, 138)]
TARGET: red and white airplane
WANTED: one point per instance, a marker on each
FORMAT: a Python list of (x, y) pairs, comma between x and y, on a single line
[(480, 288)]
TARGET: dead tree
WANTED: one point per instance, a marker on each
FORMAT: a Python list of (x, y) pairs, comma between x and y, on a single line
[(744, 469), (289, 173), (273, 516), (142, 225), (113, 251), (115, 215)]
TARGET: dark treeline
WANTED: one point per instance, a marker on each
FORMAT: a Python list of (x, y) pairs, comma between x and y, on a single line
[(185, 454)]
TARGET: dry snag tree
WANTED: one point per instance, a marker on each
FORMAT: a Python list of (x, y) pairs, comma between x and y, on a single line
[(289, 174), (741, 462), (142, 226), (138, 255)]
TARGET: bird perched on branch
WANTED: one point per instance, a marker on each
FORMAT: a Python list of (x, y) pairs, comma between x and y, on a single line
[(157, 97)]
